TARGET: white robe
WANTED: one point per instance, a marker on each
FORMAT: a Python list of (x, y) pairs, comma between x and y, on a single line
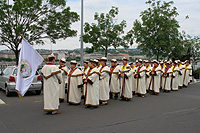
[(141, 83), (64, 72), (187, 74), (85, 71), (104, 84), (155, 80), (92, 88), (148, 78), (114, 80), (52, 78), (175, 78), (166, 83), (75, 83), (134, 81), (182, 69), (161, 78), (126, 82)]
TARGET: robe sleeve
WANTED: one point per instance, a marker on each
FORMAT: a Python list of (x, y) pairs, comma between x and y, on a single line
[(59, 77)]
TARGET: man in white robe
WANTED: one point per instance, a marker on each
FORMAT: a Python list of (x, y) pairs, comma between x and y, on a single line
[(64, 72), (104, 82), (141, 82), (114, 79), (162, 66), (85, 71), (167, 75), (148, 78), (92, 85), (175, 76), (187, 73), (126, 82), (75, 83), (181, 73), (52, 78), (134, 68), (155, 78)]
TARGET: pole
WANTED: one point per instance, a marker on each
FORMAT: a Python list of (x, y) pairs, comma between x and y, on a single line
[(81, 32)]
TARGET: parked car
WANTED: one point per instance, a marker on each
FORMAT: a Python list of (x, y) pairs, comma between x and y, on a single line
[(8, 81)]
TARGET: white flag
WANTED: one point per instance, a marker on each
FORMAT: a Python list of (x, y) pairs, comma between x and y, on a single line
[(29, 60)]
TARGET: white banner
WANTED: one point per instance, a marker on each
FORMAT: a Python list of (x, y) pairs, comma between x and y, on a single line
[(29, 60)]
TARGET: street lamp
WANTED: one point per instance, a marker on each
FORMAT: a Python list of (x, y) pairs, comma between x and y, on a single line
[(81, 32)]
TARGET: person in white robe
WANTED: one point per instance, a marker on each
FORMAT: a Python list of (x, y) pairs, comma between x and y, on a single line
[(85, 71), (181, 73), (64, 72), (114, 79), (175, 76), (155, 74), (187, 73), (126, 81), (99, 64), (92, 85), (162, 66), (148, 78), (167, 75), (104, 88), (134, 68), (141, 81), (52, 78), (75, 83)]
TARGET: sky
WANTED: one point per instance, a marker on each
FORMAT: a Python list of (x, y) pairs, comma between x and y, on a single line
[(129, 10)]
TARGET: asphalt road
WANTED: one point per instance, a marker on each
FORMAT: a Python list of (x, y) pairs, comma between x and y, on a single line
[(174, 112)]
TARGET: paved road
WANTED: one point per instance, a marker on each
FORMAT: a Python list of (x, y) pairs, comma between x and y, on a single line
[(174, 112)]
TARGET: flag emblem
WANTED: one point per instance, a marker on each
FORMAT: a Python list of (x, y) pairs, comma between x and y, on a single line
[(25, 69)]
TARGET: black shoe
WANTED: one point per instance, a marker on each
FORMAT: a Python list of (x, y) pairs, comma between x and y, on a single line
[(61, 100)]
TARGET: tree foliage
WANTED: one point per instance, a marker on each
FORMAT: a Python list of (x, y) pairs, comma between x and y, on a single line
[(105, 33), (36, 20), (157, 34), (191, 45)]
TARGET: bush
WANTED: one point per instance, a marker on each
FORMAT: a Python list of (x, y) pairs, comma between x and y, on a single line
[(196, 74)]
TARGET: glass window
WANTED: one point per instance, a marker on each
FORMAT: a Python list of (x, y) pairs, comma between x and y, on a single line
[(8, 71)]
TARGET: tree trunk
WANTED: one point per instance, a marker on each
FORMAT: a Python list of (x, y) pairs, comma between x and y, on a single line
[(106, 52), (16, 56)]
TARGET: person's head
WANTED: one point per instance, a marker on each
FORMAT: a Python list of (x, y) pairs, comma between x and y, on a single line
[(175, 63), (73, 64), (85, 64), (62, 61), (139, 62), (155, 64), (113, 62), (124, 61), (99, 63), (146, 63), (167, 64), (92, 64), (103, 61), (187, 62), (136, 63), (51, 58), (131, 64)]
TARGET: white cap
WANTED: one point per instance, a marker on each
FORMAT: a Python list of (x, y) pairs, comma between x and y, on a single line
[(73, 62), (51, 55), (124, 58), (63, 60), (103, 59), (114, 60)]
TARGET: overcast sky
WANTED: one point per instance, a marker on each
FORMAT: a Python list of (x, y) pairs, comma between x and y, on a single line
[(129, 10)]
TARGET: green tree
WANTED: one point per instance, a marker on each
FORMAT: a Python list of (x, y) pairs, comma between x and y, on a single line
[(106, 33), (36, 20), (158, 33), (191, 46)]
